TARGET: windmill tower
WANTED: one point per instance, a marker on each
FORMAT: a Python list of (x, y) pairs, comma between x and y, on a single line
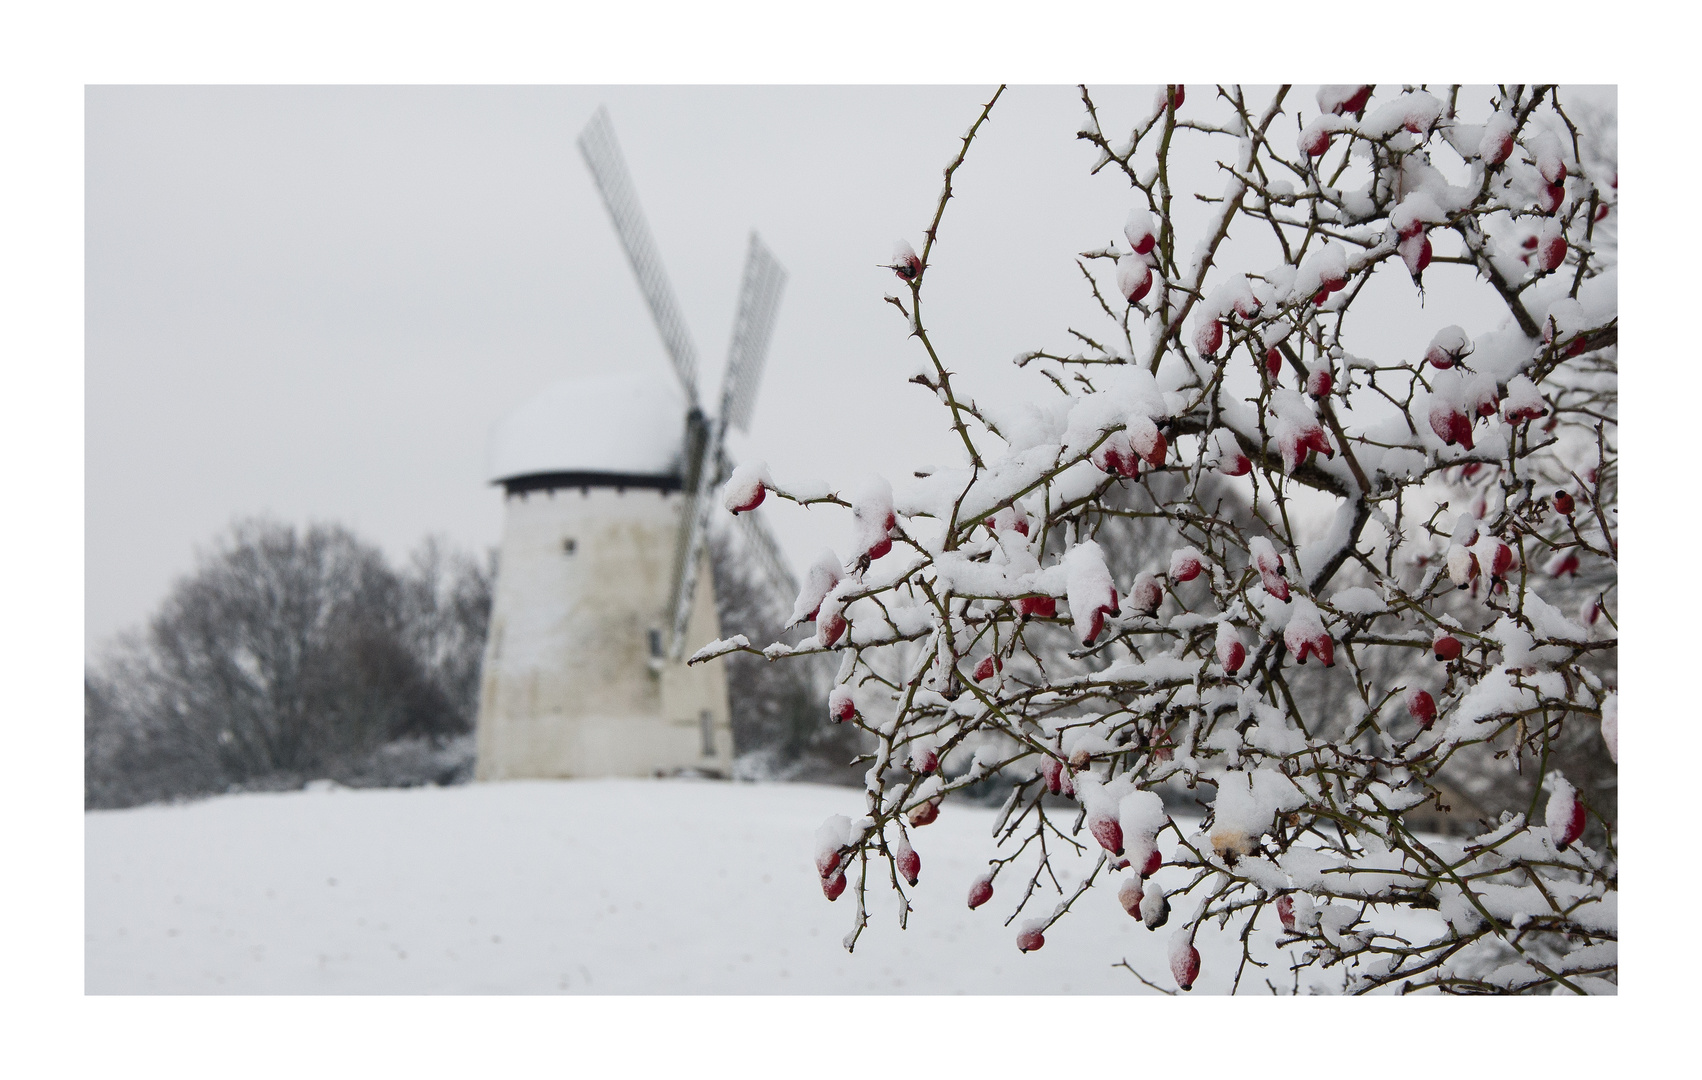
[(603, 577)]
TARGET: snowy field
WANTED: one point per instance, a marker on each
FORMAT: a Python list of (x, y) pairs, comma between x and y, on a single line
[(585, 887)]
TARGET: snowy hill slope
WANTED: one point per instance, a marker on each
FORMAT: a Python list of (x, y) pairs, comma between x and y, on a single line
[(600, 887)]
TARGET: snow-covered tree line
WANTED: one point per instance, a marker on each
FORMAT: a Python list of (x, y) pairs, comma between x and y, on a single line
[(1355, 569), (297, 654)]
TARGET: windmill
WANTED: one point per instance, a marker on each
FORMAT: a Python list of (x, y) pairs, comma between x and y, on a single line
[(603, 573)]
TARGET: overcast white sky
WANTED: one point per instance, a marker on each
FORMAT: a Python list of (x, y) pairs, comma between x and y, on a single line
[(314, 302), (52, 51)]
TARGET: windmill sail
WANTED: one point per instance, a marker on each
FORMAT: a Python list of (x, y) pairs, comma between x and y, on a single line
[(753, 327), (603, 155), (759, 297), (694, 529), (697, 495)]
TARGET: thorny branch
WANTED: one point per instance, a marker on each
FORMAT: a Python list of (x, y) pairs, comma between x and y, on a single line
[(976, 658)]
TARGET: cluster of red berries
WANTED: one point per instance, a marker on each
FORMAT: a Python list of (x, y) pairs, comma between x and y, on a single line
[(1450, 424), (1057, 776), (1122, 452), (1134, 272), (1553, 171), (832, 876), (1313, 640)]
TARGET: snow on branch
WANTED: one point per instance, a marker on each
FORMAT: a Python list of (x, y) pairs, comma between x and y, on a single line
[(1226, 561)]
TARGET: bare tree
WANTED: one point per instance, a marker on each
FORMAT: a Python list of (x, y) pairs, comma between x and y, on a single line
[(445, 615), (286, 655)]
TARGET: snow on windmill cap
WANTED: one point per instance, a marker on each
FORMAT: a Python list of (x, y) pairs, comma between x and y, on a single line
[(624, 424)]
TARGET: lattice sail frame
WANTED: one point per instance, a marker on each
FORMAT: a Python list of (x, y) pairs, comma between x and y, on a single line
[(753, 327)]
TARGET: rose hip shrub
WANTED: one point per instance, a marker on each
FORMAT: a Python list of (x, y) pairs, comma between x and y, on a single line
[(1408, 522)]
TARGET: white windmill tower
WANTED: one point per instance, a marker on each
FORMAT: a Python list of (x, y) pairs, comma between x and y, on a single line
[(603, 573)]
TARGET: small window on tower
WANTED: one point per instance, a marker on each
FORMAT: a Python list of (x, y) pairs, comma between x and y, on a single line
[(656, 644), (570, 545), (706, 722)]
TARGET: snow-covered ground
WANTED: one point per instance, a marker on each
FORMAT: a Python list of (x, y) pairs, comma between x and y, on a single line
[(593, 887)]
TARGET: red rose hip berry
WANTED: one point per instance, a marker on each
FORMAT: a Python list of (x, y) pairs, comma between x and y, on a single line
[(909, 864), (840, 706), (1422, 707), (925, 813), (1446, 647), (1129, 895), (1109, 833), (1319, 383), (1185, 564), (832, 887), (1185, 963), (1040, 607)]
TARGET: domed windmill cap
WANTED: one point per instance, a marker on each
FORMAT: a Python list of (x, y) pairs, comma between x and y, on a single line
[(617, 425)]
